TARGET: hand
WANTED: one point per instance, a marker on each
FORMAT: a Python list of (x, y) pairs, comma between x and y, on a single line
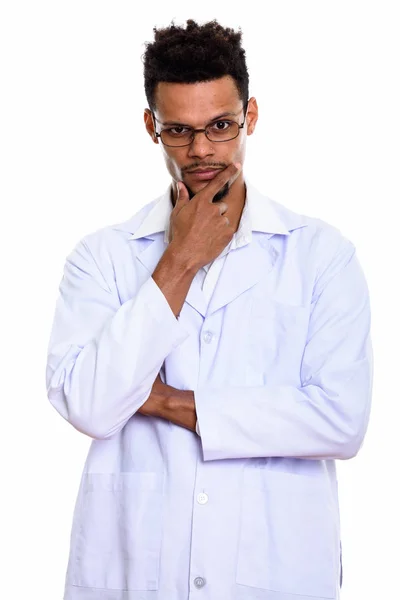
[(157, 403), (197, 226), (167, 402)]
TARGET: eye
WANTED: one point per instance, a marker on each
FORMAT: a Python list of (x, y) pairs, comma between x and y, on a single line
[(178, 130), (221, 125)]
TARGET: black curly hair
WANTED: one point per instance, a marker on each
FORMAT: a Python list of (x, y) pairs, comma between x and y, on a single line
[(192, 54)]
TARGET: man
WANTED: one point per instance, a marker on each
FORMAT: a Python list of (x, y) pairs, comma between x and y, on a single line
[(216, 347)]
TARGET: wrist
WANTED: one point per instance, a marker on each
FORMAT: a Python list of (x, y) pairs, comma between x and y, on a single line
[(177, 398), (181, 260)]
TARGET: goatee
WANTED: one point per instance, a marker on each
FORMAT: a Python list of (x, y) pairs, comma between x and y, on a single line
[(218, 196)]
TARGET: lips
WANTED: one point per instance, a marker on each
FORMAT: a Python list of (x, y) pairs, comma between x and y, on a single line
[(204, 175)]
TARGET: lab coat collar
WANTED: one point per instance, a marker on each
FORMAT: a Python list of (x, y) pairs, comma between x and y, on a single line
[(266, 215)]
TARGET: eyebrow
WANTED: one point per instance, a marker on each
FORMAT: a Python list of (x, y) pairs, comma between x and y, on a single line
[(225, 114)]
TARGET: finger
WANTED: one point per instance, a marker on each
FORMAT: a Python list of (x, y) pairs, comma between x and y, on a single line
[(222, 207), (182, 195), (229, 173)]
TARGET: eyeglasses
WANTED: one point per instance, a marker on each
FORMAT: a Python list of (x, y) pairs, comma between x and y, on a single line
[(222, 130)]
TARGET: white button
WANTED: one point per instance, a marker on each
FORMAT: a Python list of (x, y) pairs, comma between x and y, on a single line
[(199, 582), (207, 337), (202, 498)]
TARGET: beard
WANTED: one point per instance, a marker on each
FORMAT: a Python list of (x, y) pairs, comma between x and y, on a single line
[(218, 196)]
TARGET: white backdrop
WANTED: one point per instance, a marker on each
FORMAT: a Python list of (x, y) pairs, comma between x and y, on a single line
[(75, 157)]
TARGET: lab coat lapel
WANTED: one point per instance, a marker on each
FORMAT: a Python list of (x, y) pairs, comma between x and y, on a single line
[(243, 268), (150, 256)]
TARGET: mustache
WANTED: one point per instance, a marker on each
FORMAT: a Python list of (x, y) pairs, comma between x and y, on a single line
[(202, 166)]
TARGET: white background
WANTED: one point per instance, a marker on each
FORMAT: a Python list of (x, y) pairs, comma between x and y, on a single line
[(75, 157)]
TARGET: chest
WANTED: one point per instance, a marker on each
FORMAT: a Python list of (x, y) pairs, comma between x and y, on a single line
[(247, 326)]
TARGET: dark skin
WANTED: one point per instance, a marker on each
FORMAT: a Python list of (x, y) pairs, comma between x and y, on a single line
[(199, 228), (172, 404)]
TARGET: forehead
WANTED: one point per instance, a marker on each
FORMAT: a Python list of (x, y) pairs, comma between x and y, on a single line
[(191, 102)]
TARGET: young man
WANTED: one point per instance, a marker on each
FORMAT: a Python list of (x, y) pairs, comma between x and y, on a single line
[(216, 347)]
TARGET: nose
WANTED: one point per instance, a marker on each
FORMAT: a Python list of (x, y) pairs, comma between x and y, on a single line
[(201, 146)]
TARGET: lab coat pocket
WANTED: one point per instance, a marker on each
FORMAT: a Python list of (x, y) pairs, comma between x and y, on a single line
[(287, 534), (118, 538), (277, 337)]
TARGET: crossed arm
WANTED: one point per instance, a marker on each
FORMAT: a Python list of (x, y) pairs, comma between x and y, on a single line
[(167, 402), (103, 357), (324, 417)]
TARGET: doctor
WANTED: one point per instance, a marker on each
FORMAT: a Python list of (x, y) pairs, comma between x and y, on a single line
[(216, 347)]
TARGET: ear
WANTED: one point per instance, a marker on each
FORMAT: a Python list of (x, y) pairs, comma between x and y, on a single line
[(149, 123), (252, 115)]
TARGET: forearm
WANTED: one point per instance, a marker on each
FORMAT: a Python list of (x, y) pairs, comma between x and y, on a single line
[(182, 409), (103, 356), (174, 275), (285, 421), (177, 406)]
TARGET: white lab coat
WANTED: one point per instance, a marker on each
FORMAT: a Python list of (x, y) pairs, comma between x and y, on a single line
[(280, 362)]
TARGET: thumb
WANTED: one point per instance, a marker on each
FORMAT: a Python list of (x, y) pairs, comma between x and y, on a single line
[(182, 194)]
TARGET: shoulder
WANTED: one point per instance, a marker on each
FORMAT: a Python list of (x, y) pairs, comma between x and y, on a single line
[(116, 234), (316, 246), (319, 235)]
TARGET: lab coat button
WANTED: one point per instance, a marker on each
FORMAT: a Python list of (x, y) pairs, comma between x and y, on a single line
[(202, 498), (207, 337), (199, 582)]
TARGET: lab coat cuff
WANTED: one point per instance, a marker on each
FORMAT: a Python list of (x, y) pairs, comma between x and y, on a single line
[(207, 420)]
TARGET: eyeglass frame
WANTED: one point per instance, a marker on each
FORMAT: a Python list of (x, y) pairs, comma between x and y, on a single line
[(195, 131)]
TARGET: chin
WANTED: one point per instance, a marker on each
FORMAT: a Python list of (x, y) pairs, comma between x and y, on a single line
[(222, 193)]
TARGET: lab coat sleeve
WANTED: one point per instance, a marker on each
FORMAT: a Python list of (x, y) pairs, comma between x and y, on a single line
[(103, 357), (326, 416)]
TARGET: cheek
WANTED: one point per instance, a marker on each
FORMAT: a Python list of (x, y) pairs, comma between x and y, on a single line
[(241, 152), (173, 163), (237, 151)]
